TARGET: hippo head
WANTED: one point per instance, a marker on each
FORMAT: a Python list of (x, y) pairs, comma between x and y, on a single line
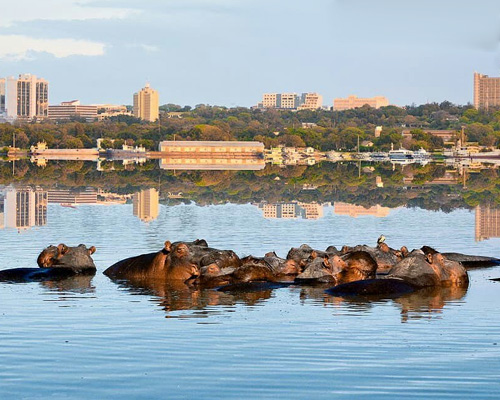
[(301, 255), (65, 256), (317, 271), (180, 265)]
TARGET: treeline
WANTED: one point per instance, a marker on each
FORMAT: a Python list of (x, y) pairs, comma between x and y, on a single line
[(321, 129), (351, 183)]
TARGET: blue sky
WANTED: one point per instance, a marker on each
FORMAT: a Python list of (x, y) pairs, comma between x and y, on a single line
[(229, 52)]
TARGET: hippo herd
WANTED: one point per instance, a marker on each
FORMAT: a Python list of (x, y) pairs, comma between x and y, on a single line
[(350, 271)]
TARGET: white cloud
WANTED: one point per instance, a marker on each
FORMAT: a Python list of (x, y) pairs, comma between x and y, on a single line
[(18, 47), (58, 10)]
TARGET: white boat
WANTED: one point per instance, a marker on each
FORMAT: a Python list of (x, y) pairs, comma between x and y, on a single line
[(379, 156), (400, 155), (421, 155)]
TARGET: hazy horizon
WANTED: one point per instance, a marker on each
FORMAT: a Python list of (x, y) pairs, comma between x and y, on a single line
[(229, 52)]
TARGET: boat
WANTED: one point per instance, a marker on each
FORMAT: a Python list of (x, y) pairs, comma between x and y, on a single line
[(421, 155), (379, 156), (69, 205)]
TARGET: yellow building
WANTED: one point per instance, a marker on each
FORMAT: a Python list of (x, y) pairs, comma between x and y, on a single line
[(146, 204), (486, 91), (146, 104), (341, 104)]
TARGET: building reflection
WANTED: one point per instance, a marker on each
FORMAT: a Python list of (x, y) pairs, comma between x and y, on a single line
[(487, 222), (23, 208), (292, 210), (146, 204), (73, 197), (355, 211)]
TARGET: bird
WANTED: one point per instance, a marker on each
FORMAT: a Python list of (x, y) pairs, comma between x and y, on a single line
[(381, 239)]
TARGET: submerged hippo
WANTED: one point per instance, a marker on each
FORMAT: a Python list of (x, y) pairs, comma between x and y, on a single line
[(385, 256), (55, 263), (468, 261), (417, 270)]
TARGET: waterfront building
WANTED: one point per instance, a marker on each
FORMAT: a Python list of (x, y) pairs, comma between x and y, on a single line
[(291, 101), (486, 91), (146, 204), (2, 95), (341, 104), (146, 104), (355, 211), (487, 222), (73, 197), (68, 110), (212, 155), (25, 207), (27, 97), (291, 210)]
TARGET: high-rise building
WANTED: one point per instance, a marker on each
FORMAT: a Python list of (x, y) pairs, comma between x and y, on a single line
[(146, 104), (487, 222), (25, 207), (486, 91), (146, 204), (291, 101), (71, 109), (2, 95), (27, 97), (341, 104), (73, 197), (292, 210)]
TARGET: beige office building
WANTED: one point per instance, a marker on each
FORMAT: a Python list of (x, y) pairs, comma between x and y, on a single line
[(487, 222), (146, 104), (486, 91), (27, 97), (146, 204), (341, 104), (311, 101), (71, 109), (355, 211), (73, 197)]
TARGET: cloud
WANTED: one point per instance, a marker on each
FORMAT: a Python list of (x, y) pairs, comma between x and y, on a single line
[(18, 47), (58, 10)]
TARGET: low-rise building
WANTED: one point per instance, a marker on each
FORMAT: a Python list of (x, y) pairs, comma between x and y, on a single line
[(341, 104), (68, 110)]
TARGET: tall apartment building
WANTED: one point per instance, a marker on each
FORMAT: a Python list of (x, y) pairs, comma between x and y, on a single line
[(487, 222), (146, 204), (27, 97), (70, 109), (146, 104), (25, 207), (2, 95), (292, 210), (350, 102), (486, 91), (291, 101)]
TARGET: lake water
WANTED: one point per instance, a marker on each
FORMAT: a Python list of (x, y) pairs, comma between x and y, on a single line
[(91, 338)]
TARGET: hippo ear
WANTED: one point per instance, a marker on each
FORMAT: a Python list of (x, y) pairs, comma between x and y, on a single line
[(201, 242), (404, 251), (62, 249), (168, 245), (92, 250), (344, 249), (314, 254), (271, 254), (326, 262), (430, 258)]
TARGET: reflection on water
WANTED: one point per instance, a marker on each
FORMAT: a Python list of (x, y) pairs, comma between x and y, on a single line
[(291, 342), (23, 207), (146, 204)]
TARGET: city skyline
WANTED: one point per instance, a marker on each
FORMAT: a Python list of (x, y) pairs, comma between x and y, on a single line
[(204, 60)]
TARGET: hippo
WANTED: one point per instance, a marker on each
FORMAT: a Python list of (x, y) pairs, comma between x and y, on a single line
[(385, 256), (468, 261), (417, 270), (304, 254), (338, 269), (267, 268), (170, 263), (55, 263)]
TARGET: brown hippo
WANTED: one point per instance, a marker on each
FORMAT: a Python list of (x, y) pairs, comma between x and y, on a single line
[(417, 270), (55, 263), (305, 254), (338, 269), (385, 256), (267, 268), (170, 263), (468, 261)]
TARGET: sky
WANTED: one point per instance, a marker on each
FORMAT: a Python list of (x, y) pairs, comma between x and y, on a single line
[(230, 52)]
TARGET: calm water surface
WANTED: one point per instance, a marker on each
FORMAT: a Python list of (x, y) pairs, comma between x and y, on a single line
[(95, 339)]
